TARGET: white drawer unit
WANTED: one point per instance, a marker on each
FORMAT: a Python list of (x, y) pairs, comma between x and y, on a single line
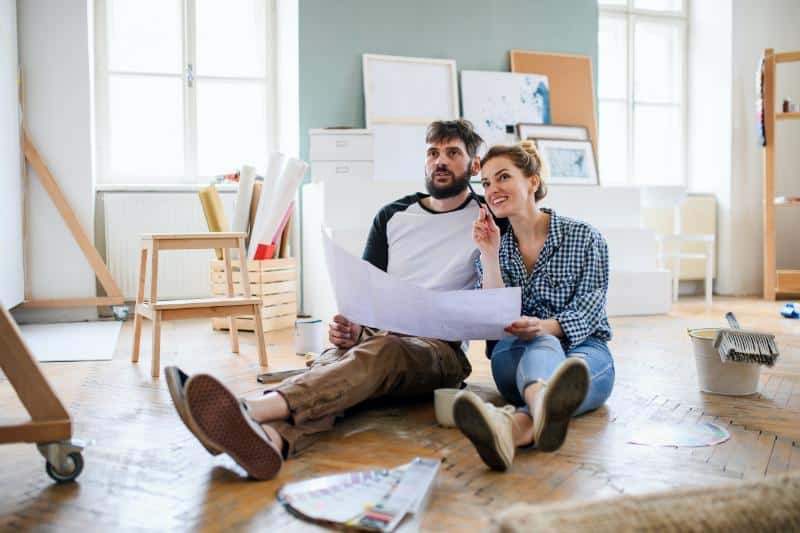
[(325, 170), (340, 153), (340, 145)]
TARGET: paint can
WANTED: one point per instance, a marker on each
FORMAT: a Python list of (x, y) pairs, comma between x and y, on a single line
[(721, 377), (309, 335)]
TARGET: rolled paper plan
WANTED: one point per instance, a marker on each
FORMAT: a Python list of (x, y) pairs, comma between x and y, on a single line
[(266, 203), (214, 212), (267, 229)]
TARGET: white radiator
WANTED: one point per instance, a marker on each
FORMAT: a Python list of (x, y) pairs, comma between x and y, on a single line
[(181, 273)]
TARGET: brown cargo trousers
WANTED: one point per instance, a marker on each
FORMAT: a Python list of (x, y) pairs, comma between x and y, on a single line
[(381, 364)]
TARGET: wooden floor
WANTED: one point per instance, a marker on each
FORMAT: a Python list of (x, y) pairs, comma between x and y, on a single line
[(145, 471)]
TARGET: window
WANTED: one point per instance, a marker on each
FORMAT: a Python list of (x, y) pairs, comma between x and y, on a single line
[(184, 88), (642, 91)]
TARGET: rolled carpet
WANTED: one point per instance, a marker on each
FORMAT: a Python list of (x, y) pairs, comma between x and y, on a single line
[(771, 504)]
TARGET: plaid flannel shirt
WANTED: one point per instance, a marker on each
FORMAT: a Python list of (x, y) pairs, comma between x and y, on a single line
[(569, 281)]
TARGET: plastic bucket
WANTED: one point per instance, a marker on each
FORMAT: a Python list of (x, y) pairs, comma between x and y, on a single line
[(718, 377)]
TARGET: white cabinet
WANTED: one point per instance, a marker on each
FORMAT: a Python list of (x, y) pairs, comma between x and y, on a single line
[(338, 153)]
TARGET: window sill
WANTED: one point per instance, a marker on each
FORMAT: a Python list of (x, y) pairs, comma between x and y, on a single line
[(162, 188)]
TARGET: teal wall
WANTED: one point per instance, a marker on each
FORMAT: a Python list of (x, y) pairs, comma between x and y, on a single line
[(476, 33)]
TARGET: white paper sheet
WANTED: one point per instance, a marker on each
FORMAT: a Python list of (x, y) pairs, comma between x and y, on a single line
[(367, 295)]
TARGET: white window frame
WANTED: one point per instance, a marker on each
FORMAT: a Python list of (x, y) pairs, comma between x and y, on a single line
[(102, 102), (632, 15)]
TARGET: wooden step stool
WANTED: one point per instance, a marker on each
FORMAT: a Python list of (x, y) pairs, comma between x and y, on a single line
[(229, 307)]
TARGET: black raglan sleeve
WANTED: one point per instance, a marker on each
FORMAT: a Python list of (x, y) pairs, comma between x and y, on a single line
[(376, 251)]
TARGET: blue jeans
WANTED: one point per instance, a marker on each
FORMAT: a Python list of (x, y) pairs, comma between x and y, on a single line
[(517, 363)]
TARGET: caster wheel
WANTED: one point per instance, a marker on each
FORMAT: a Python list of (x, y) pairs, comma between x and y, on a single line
[(76, 460), (120, 312)]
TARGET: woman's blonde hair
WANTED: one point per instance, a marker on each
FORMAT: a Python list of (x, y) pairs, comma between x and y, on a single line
[(525, 157)]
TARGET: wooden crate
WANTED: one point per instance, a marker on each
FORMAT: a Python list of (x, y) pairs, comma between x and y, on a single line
[(274, 280)]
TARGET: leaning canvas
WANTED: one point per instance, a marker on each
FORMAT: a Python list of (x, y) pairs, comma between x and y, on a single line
[(568, 162), (494, 100)]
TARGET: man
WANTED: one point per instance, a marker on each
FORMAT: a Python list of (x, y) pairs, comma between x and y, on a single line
[(422, 238)]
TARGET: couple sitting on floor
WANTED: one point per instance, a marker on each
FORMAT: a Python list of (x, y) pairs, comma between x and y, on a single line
[(555, 366)]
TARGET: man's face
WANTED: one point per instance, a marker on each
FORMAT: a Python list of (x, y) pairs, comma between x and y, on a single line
[(447, 169)]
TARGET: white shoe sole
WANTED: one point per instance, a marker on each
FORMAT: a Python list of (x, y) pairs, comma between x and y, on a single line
[(471, 419), (565, 392)]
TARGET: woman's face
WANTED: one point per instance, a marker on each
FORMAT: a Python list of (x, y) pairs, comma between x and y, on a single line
[(508, 191)]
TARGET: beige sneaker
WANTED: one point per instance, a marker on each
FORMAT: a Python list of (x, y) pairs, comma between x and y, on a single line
[(562, 395), (488, 427)]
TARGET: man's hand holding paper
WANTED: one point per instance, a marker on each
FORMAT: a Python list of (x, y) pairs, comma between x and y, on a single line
[(367, 295)]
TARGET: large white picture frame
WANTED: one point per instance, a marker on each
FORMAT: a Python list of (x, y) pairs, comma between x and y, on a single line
[(402, 96), (409, 89)]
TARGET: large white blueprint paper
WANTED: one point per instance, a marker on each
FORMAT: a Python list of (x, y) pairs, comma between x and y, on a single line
[(370, 296)]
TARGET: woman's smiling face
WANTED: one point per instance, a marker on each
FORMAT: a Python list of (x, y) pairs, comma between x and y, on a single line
[(507, 190)]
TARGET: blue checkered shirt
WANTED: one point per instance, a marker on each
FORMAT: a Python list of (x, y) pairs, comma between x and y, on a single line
[(569, 281)]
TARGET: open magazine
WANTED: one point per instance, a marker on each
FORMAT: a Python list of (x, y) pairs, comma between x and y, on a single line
[(370, 500)]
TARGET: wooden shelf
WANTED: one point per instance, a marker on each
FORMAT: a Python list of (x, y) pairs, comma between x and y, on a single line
[(787, 200), (776, 281), (787, 281)]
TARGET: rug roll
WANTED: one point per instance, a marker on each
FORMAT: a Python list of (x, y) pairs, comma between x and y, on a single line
[(771, 504)]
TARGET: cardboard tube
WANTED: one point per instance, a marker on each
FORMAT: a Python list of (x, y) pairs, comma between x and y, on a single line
[(214, 212)]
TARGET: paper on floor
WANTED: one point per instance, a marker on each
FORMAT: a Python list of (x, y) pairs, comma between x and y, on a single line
[(370, 296)]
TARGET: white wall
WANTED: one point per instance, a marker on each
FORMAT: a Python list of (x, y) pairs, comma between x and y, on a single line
[(11, 267), (758, 25), (710, 120), (55, 44)]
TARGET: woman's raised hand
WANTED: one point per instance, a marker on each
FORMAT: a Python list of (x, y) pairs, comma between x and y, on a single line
[(486, 234), (526, 328)]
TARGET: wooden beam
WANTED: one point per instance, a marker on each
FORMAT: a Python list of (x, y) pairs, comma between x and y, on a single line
[(68, 215), (26, 247), (769, 175), (50, 420), (787, 57), (41, 431), (92, 301)]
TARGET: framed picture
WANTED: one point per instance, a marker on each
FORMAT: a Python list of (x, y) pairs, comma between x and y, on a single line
[(493, 101), (570, 162), (551, 131)]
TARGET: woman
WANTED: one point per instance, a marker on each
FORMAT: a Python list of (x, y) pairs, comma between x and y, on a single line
[(557, 364)]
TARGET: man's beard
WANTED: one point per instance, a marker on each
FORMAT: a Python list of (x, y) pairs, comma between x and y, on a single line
[(456, 186)]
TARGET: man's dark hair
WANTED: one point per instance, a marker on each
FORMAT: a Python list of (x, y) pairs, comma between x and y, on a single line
[(447, 130)]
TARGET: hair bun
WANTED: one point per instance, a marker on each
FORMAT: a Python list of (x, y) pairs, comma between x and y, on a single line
[(529, 146)]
